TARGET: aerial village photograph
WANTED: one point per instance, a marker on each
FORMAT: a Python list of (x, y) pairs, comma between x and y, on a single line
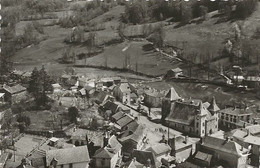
[(130, 84)]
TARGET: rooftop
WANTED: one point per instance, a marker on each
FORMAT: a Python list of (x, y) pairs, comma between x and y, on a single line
[(237, 111), (159, 149), (224, 145), (144, 157), (14, 89), (68, 155)]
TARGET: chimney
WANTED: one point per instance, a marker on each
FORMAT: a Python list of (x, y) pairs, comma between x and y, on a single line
[(186, 139), (149, 163), (105, 139)]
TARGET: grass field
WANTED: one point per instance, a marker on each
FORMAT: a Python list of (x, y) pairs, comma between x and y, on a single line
[(148, 62)]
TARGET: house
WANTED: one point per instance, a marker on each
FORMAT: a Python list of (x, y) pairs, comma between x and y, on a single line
[(133, 141), (170, 97), (124, 121), (174, 73), (110, 155), (14, 94), (56, 87), (26, 77), (246, 138), (107, 81), (79, 137), (251, 81), (116, 80), (117, 116), (235, 117), (161, 151), (145, 158), (182, 147), (108, 109), (225, 151), (153, 98), (102, 97), (123, 91), (191, 117), (69, 157)]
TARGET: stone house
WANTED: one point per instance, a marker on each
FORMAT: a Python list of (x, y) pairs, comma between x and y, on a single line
[(225, 151), (133, 141), (14, 94), (123, 92), (232, 118), (193, 118), (153, 98), (110, 155)]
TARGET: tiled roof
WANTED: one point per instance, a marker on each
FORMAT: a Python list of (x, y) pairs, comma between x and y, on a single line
[(159, 149), (135, 164), (125, 87), (143, 157), (14, 89), (132, 126), (102, 96), (227, 146), (68, 155)]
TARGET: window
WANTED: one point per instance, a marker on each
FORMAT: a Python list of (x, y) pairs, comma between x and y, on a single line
[(197, 124), (183, 127), (203, 124), (61, 166), (202, 131), (71, 165)]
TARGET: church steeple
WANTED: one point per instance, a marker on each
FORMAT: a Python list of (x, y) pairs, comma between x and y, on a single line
[(213, 108)]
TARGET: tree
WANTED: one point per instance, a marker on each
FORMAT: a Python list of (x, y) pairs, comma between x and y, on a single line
[(73, 113), (157, 37), (39, 84), (245, 8)]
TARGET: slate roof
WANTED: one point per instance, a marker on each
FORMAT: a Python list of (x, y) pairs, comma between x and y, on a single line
[(254, 129), (102, 96), (185, 112), (135, 164), (114, 144), (124, 121), (236, 111), (108, 105), (213, 105), (227, 146), (154, 93), (172, 94), (118, 115), (68, 155), (203, 157), (159, 149), (14, 89), (110, 150), (143, 156), (136, 136), (103, 153)]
